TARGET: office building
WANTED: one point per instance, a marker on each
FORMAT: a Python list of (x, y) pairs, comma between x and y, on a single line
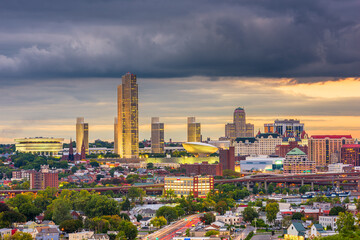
[(127, 126), (198, 186), (285, 127), (157, 136), (323, 147), (203, 168), (282, 150), (44, 178), (262, 144), (350, 154), (297, 162), (227, 158), (193, 130), (239, 128), (40, 145), (82, 135)]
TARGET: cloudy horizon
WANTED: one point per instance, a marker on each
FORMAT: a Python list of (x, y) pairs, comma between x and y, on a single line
[(278, 59)]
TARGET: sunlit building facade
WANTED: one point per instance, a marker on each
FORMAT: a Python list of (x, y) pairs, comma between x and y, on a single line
[(193, 130), (199, 186), (39, 145), (297, 162), (323, 147), (157, 135), (239, 127), (350, 154), (127, 126), (82, 135), (262, 144), (285, 127)]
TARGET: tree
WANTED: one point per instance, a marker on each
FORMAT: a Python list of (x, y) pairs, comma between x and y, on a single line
[(169, 213), (211, 232), (21, 236), (271, 210), (336, 210), (297, 216), (71, 226), (61, 210), (4, 207), (30, 211), (124, 216), (94, 164), (347, 200), (304, 188), (74, 169), (9, 217), (345, 222), (158, 221), (136, 193), (221, 207), (150, 166), (100, 205), (126, 205), (138, 217), (129, 229), (208, 218), (249, 214)]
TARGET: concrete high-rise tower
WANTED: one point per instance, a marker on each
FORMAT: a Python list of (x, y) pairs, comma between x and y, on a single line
[(127, 127), (157, 136), (82, 135), (193, 130)]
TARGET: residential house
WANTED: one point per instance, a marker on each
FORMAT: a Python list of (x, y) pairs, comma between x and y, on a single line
[(81, 235), (145, 222), (45, 233), (230, 218), (99, 236), (295, 231)]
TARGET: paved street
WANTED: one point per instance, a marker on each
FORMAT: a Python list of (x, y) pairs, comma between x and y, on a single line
[(169, 231), (244, 233)]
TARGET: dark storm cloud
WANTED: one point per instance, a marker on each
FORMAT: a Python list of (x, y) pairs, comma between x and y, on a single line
[(160, 38)]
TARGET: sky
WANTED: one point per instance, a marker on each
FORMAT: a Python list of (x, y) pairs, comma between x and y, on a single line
[(278, 59)]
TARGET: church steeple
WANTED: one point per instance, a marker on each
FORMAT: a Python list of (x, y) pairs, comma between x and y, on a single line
[(71, 151)]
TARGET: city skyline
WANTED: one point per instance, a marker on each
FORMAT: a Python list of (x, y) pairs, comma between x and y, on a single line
[(278, 60)]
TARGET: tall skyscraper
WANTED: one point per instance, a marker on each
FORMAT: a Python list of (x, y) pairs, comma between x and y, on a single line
[(82, 135), (239, 127), (157, 136), (193, 130), (127, 126)]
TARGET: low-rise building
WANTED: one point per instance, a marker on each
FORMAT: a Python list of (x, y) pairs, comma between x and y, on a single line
[(199, 186), (295, 231), (81, 235), (327, 221), (202, 168), (229, 218), (46, 233)]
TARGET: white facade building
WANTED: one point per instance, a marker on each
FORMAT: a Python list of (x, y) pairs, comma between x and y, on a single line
[(262, 144)]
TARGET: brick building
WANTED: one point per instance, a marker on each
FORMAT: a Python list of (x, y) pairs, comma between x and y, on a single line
[(227, 158), (203, 168), (350, 154), (44, 178)]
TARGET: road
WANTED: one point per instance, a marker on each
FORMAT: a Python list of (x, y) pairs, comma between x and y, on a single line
[(244, 233), (169, 231), (263, 237)]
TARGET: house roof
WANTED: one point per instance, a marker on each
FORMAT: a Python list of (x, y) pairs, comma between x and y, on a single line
[(267, 135), (319, 227), (296, 151), (299, 227)]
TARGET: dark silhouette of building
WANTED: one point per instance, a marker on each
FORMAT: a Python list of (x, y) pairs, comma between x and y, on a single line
[(350, 154), (83, 151), (71, 151), (203, 168), (227, 158), (282, 150)]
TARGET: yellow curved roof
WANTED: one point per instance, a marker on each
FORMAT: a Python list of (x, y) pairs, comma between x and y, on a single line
[(198, 147)]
